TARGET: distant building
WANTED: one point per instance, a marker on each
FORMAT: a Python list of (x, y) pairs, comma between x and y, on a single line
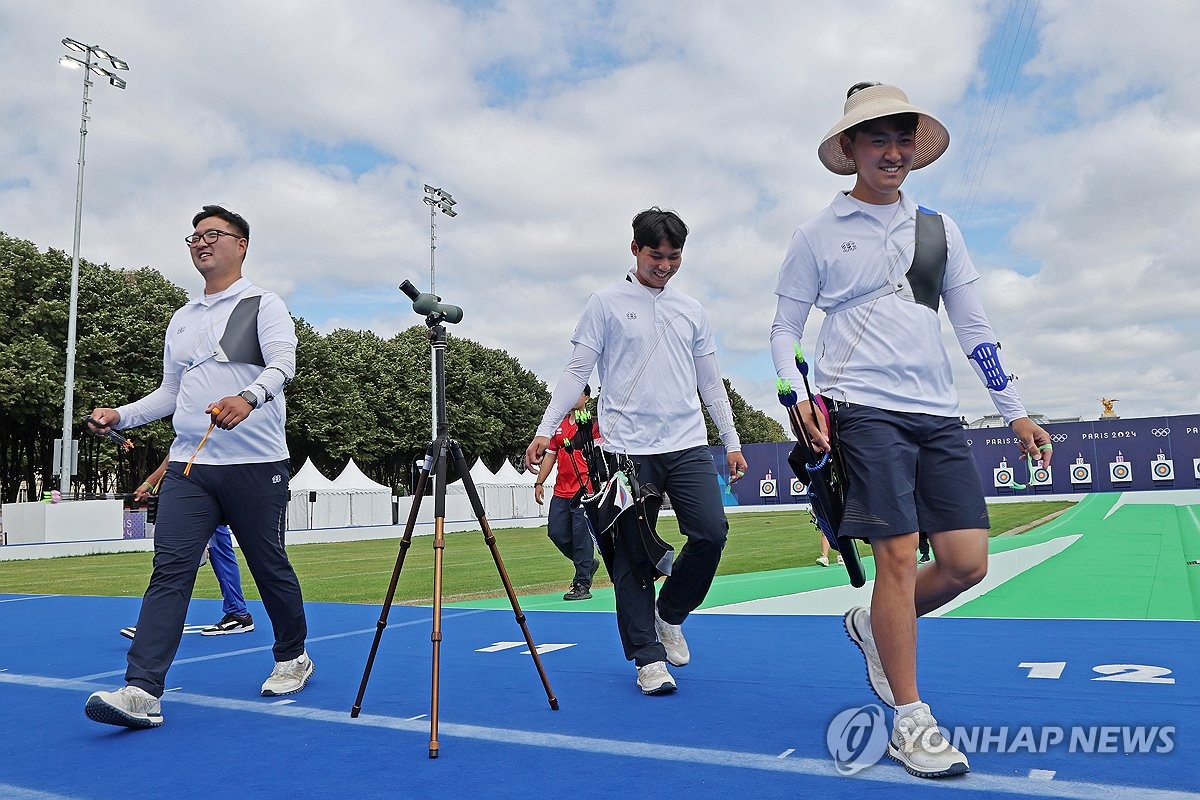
[(995, 421)]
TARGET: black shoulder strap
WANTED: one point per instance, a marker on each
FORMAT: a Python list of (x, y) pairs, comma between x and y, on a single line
[(929, 259)]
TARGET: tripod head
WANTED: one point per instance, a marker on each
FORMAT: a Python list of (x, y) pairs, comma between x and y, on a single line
[(431, 306)]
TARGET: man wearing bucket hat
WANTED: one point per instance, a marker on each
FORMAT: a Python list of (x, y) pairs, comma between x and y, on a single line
[(879, 266)]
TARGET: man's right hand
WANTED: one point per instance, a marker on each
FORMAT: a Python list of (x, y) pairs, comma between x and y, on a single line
[(106, 417), (814, 424), (535, 451)]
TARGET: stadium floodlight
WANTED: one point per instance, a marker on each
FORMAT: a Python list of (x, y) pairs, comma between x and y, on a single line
[(92, 54), (437, 200)]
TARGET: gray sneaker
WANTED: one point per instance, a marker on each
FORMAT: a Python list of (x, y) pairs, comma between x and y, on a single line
[(128, 706), (288, 677), (920, 748), (858, 628), (672, 640), (653, 678)]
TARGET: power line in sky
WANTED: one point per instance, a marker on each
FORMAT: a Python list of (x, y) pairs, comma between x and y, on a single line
[(1011, 48)]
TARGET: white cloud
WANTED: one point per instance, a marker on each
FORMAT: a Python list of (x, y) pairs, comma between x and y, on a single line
[(712, 109)]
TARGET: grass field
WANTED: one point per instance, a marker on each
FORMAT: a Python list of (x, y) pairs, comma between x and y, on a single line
[(359, 572)]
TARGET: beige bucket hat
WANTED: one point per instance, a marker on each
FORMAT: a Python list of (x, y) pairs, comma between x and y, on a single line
[(874, 102)]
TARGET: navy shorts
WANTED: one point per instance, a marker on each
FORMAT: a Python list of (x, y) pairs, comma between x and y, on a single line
[(907, 472)]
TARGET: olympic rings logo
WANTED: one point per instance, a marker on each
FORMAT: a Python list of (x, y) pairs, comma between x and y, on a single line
[(1059, 437), (1160, 431)]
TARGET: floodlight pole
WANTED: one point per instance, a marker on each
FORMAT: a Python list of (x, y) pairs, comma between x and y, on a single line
[(437, 200), (90, 67)]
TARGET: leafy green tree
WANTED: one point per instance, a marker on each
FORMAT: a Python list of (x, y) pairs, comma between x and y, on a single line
[(752, 425), (355, 394), (120, 323)]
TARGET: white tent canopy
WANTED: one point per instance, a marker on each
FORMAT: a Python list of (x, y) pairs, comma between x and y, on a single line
[(309, 477), (315, 502), (370, 502), (350, 499), (506, 494), (352, 479)]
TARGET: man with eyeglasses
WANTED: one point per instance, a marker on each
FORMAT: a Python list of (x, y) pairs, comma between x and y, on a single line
[(229, 354)]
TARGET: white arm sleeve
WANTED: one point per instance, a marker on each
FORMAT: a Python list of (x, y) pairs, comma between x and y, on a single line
[(570, 385), (972, 328), (277, 340), (786, 330), (716, 400), (156, 405)]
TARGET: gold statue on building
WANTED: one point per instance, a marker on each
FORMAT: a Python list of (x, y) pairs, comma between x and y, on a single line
[(1108, 408)]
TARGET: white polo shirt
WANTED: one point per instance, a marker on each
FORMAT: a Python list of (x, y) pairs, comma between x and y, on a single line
[(199, 368), (886, 353), (648, 343)]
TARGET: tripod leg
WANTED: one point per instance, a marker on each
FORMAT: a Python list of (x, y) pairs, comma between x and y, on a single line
[(439, 547), (405, 542), (460, 464)]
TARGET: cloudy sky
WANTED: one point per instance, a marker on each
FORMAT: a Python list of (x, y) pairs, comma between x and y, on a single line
[(1075, 150)]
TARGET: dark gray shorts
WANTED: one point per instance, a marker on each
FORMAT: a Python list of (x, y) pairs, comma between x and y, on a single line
[(905, 473)]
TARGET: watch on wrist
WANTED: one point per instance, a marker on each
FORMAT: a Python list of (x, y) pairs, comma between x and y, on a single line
[(249, 397)]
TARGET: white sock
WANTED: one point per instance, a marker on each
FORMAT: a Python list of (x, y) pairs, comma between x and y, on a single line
[(908, 708)]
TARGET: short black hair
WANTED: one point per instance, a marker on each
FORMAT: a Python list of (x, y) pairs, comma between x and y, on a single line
[(587, 389), (907, 123), (222, 213), (652, 226)]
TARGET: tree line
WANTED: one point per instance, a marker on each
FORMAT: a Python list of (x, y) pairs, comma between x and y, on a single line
[(355, 394)]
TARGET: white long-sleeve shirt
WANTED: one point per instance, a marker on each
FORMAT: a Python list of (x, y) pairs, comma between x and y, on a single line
[(654, 350), (887, 352), (207, 357)]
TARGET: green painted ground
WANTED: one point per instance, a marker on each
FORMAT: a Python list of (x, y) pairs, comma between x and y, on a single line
[(1132, 565)]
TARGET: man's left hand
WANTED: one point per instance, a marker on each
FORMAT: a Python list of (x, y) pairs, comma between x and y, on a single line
[(227, 412), (1033, 440)]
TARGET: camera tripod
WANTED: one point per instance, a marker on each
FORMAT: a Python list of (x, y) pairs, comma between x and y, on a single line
[(439, 451)]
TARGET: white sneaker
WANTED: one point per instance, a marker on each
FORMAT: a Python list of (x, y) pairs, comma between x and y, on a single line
[(288, 677), (858, 628), (672, 640), (841, 560), (128, 706), (653, 678), (823, 561), (920, 748)]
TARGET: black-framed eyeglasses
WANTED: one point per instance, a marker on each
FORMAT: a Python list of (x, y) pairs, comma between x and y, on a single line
[(209, 236)]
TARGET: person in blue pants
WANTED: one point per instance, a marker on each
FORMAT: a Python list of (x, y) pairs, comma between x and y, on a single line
[(219, 553)]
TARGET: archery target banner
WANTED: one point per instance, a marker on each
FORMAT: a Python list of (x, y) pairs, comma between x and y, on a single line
[(1119, 472), (1041, 476), (768, 488), (1162, 469), (1002, 476), (797, 489), (1081, 473)]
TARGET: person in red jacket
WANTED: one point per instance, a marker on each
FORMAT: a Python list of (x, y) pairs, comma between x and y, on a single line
[(566, 523)]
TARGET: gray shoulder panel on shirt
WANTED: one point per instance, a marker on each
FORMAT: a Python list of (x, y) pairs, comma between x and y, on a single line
[(240, 340)]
